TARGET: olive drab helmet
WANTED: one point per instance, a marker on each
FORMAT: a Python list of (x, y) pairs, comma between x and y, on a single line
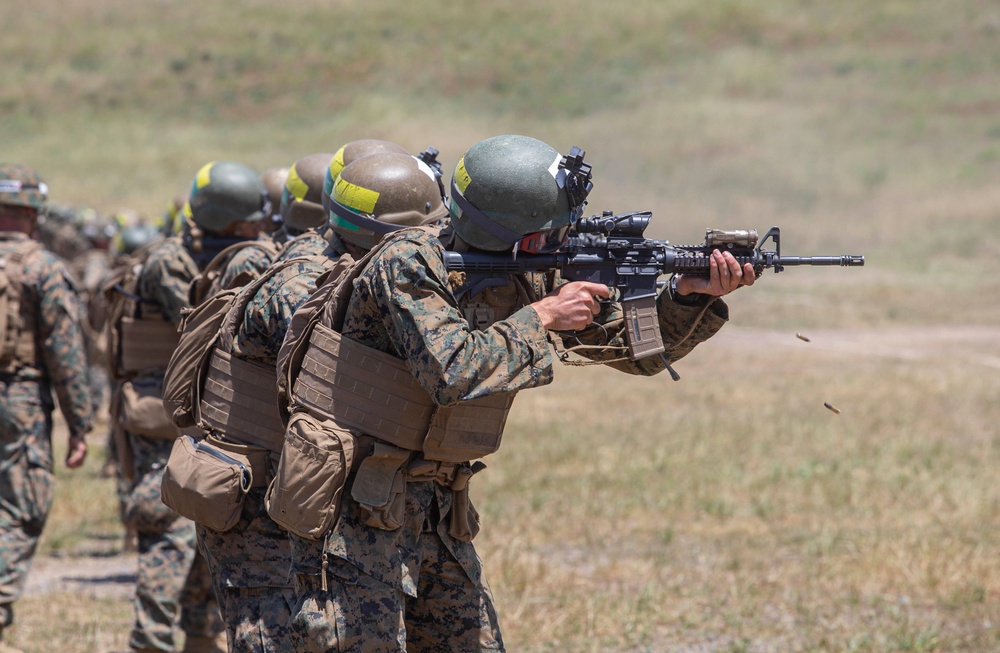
[(302, 197), (517, 193), (352, 152), (224, 193), (381, 193), (22, 186)]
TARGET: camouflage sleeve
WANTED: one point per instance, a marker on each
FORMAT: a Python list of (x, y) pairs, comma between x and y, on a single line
[(414, 303), (62, 347), (682, 327), (165, 280), (270, 311), (251, 260)]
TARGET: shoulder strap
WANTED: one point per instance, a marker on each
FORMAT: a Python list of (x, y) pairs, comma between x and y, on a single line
[(237, 313), (327, 304)]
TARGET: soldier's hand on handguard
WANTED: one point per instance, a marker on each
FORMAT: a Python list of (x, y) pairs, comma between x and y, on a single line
[(571, 306), (77, 452), (725, 276)]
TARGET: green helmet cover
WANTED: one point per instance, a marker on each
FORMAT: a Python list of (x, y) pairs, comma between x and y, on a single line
[(513, 185), (224, 193)]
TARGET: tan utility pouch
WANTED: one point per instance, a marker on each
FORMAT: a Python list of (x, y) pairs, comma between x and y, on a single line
[(144, 414), (207, 483), (380, 486), (304, 496)]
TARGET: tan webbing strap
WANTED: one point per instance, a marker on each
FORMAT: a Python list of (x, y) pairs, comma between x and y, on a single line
[(147, 344), (240, 400), (364, 388)]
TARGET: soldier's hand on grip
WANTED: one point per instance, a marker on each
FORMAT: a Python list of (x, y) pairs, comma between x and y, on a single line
[(571, 306)]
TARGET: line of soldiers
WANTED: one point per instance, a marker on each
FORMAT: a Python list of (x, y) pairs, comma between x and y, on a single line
[(310, 386)]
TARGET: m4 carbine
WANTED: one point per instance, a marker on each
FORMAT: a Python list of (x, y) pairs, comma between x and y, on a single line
[(611, 249)]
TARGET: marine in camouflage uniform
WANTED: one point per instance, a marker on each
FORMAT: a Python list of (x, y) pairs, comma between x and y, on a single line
[(173, 587), (407, 577), (225, 205), (49, 320), (250, 561)]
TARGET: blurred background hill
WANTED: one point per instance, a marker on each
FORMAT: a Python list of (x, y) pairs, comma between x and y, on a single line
[(872, 127)]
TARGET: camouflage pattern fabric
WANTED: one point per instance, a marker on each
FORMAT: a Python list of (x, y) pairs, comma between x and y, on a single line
[(250, 562), (166, 276), (427, 586), (26, 404), (270, 312), (173, 586), (249, 568), (249, 261), (412, 589), (307, 244)]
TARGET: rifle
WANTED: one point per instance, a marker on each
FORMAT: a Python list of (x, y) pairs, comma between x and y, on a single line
[(611, 249)]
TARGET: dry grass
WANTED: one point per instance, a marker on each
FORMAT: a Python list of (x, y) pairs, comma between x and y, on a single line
[(728, 512), (733, 512)]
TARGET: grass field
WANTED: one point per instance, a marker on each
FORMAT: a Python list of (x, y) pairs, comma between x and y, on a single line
[(729, 512)]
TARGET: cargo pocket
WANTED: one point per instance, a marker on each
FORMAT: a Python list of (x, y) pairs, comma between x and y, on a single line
[(304, 496), (380, 487)]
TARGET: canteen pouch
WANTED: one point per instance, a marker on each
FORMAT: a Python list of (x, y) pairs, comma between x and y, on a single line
[(380, 486), (316, 458), (205, 483), (144, 414)]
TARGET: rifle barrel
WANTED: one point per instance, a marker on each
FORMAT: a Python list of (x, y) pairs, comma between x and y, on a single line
[(847, 260)]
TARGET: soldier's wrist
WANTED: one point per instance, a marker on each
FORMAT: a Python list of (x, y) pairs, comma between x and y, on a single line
[(691, 299)]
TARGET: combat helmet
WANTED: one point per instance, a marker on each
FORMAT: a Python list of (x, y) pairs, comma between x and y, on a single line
[(224, 193), (381, 193), (517, 193), (302, 197), (352, 152), (22, 186)]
